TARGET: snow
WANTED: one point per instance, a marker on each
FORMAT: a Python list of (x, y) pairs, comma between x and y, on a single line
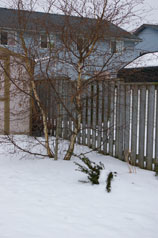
[(146, 60), (43, 198)]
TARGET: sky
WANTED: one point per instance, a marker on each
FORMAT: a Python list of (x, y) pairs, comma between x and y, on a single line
[(149, 15)]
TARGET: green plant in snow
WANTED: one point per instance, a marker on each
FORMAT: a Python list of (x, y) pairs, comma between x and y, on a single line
[(90, 168), (156, 169), (108, 181)]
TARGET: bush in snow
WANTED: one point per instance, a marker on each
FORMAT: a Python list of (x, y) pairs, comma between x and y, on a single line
[(108, 181), (91, 169), (156, 169)]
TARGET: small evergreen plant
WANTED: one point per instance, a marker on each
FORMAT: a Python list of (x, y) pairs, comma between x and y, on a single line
[(90, 168), (156, 169), (108, 181)]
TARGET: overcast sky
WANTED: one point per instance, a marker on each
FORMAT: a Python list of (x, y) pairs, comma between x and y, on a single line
[(150, 13), (152, 17)]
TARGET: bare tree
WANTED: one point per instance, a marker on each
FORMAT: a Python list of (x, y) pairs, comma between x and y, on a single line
[(80, 45), (83, 36)]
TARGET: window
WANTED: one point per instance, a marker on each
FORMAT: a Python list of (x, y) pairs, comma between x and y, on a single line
[(117, 46), (4, 38), (8, 38), (51, 41), (47, 41), (44, 43), (113, 47)]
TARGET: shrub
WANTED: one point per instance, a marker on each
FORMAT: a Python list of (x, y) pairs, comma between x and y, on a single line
[(91, 169), (108, 181)]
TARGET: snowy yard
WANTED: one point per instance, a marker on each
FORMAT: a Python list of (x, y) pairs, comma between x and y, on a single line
[(42, 198)]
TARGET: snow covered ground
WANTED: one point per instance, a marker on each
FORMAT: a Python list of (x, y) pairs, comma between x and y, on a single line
[(42, 198)]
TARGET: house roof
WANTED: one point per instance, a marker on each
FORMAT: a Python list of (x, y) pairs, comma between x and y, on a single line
[(144, 61), (142, 69), (142, 27), (39, 21), (139, 75)]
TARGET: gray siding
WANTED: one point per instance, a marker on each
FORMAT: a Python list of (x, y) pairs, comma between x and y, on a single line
[(149, 42)]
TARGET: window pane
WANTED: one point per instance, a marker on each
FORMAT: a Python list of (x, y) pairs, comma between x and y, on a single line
[(113, 46), (43, 41), (120, 46), (4, 38)]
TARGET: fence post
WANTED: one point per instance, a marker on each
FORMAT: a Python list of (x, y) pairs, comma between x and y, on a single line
[(151, 100)]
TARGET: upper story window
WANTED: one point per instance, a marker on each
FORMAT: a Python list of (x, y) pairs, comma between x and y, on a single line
[(113, 47), (4, 38), (44, 41), (8, 38), (117, 46), (47, 41)]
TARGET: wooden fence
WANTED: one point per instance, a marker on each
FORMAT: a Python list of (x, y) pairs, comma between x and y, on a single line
[(116, 117)]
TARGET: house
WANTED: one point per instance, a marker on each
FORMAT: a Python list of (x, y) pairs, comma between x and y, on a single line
[(14, 103), (149, 35), (42, 32), (54, 44), (143, 69)]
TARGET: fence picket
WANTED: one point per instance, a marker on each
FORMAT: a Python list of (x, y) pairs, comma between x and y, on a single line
[(121, 121), (84, 118), (105, 86), (134, 123), (99, 126), (142, 125), (111, 121), (127, 118), (117, 120), (151, 100), (156, 133), (94, 116), (89, 116), (113, 117)]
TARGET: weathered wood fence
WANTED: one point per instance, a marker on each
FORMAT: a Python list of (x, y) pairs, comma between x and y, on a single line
[(116, 117)]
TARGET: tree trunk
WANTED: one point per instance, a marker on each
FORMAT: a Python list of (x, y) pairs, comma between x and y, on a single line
[(44, 118), (57, 133), (70, 150), (30, 70)]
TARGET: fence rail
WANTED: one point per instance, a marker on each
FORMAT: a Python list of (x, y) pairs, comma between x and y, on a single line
[(116, 117)]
